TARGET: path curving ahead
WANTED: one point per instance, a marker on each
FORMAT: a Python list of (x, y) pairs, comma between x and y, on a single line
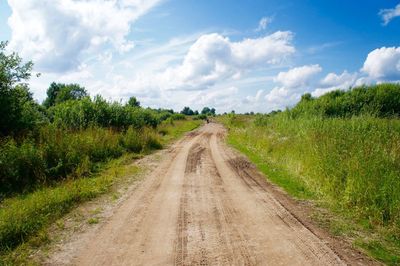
[(203, 205)]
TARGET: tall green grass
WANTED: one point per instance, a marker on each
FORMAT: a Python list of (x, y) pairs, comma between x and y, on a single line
[(54, 154), (352, 164), (91, 172)]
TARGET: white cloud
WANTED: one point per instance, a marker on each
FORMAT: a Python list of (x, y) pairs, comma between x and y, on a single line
[(253, 99), (383, 64), (263, 23), (388, 14), (322, 47), (294, 82), (214, 58), (277, 95), (333, 81), (223, 99), (55, 34), (281, 97), (298, 77)]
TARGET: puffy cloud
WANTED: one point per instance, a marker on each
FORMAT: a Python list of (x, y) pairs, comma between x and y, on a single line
[(294, 82), (54, 34), (298, 77), (388, 14), (263, 23), (277, 95), (281, 97), (333, 81), (383, 64), (223, 99), (214, 58), (253, 99)]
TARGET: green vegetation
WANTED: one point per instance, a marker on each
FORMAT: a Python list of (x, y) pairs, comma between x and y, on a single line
[(66, 151), (24, 217), (378, 101), (342, 150), (207, 111)]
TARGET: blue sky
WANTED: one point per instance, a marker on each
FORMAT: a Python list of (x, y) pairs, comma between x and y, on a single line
[(243, 55)]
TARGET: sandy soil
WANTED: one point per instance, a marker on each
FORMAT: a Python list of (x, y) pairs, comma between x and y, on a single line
[(205, 205)]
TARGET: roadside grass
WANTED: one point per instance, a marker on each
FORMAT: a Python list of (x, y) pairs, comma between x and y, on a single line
[(24, 219), (350, 167), (277, 174), (174, 129)]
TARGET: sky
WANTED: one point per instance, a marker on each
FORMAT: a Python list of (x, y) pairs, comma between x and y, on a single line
[(242, 55)]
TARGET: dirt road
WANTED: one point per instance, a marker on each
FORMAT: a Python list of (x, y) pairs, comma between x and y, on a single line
[(204, 205)]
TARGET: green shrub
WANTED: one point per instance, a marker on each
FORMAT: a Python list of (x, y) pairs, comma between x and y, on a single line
[(178, 117), (81, 114), (200, 117), (56, 153), (381, 100), (21, 166)]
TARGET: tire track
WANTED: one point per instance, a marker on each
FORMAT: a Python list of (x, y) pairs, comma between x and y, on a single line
[(204, 205)]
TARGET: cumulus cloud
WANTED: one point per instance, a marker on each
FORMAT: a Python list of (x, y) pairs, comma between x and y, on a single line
[(383, 64), (223, 99), (214, 58), (263, 23), (253, 99), (333, 81), (298, 77), (54, 34), (388, 14), (293, 83), (277, 95)]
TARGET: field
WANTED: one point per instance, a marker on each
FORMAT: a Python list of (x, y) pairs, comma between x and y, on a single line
[(348, 165)]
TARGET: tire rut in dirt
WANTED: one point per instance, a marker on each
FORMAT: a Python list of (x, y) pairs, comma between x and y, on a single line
[(208, 225), (306, 243)]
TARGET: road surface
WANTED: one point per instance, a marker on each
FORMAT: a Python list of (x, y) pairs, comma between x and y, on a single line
[(204, 205)]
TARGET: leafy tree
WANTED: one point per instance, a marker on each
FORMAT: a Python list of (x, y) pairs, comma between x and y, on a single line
[(59, 92), (133, 102), (208, 111), (205, 111), (306, 97), (19, 112), (187, 111), (52, 92)]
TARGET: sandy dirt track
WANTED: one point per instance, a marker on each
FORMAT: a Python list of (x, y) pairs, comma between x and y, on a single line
[(204, 205)]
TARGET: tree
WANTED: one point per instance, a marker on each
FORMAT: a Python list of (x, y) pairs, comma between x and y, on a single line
[(60, 92), (306, 97), (52, 92), (205, 111), (208, 111), (133, 102), (18, 110), (187, 111)]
